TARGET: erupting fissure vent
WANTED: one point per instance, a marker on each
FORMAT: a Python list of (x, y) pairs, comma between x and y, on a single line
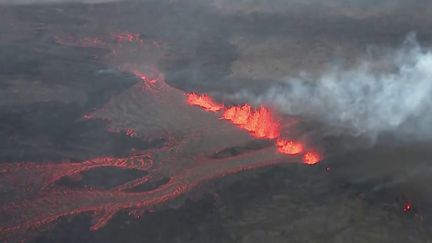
[(259, 122)]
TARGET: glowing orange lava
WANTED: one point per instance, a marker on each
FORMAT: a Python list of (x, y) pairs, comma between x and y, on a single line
[(259, 122), (290, 147), (148, 81), (203, 101), (311, 158)]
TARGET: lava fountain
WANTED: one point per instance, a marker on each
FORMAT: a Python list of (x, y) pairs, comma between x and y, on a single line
[(290, 147), (260, 123), (204, 101)]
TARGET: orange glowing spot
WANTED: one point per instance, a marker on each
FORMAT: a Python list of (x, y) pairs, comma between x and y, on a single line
[(311, 158), (203, 101), (289, 146), (407, 207), (259, 122)]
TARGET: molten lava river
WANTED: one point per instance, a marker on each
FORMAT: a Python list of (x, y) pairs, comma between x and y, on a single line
[(199, 132)]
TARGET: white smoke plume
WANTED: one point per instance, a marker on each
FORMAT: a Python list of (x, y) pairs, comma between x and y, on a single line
[(362, 100)]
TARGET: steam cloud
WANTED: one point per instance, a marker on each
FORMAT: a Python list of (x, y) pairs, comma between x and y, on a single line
[(362, 100)]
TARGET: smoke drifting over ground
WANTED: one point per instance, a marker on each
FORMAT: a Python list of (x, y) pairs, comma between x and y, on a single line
[(368, 99)]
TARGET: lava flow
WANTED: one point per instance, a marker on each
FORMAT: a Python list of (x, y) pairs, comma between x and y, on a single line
[(34, 198), (149, 82), (203, 101)]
